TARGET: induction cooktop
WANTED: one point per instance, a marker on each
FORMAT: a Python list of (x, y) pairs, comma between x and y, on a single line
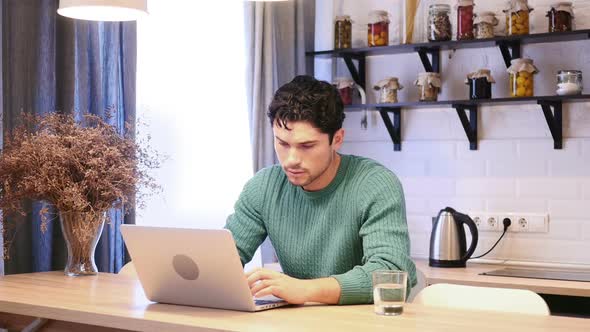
[(568, 275)]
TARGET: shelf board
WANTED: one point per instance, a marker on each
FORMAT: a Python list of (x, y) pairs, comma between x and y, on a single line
[(425, 104), (455, 44)]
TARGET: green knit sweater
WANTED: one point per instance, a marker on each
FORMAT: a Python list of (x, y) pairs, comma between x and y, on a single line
[(354, 226)]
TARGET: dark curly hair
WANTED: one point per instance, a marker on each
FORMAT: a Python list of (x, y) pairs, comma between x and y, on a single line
[(308, 99)]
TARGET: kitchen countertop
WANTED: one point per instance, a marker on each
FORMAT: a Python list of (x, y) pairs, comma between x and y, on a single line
[(117, 302), (470, 275)]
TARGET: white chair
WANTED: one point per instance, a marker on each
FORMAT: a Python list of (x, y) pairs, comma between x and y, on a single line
[(420, 285), (128, 270), (483, 298)]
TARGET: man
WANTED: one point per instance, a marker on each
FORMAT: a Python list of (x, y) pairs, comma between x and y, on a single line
[(333, 219)]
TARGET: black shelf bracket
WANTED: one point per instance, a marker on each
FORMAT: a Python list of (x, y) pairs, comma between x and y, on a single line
[(358, 75), (430, 65), (510, 50), (469, 125), (394, 128), (554, 120)]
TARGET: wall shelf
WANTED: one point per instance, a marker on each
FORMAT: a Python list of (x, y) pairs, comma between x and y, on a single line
[(429, 53), (430, 104), (537, 38), (550, 105)]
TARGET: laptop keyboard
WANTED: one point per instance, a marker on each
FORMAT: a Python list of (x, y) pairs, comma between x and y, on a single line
[(265, 302)]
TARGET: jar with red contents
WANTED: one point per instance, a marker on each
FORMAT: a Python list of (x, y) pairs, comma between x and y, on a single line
[(345, 86), (378, 28), (465, 19), (561, 16)]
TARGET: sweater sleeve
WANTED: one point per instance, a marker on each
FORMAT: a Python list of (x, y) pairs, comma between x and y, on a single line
[(246, 223), (384, 234)]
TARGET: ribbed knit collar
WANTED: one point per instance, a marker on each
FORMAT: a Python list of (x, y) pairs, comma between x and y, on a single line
[(340, 175)]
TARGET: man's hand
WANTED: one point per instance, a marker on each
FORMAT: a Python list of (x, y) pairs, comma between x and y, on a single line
[(265, 282)]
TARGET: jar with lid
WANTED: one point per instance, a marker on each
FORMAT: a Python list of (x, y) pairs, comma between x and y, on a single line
[(522, 83), (484, 25), (378, 28), (569, 82), (429, 85), (465, 19), (345, 86), (517, 17), (342, 32), (388, 88), (439, 23), (561, 17), (480, 84)]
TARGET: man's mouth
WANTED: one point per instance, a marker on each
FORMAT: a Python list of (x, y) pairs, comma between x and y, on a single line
[(295, 172)]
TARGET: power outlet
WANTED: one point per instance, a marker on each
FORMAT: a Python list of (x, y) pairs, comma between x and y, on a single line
[(527, 222), (493, 223), (485, 222), (519, 222)]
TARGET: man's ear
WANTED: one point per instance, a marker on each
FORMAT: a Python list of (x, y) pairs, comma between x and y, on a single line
[(338, 138)]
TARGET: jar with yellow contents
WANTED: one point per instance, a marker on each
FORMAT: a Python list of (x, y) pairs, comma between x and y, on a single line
[(342, 32), (378, 28), (517, 17), (522, 82)]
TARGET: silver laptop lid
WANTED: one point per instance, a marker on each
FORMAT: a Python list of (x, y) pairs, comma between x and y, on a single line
[(193, 267)]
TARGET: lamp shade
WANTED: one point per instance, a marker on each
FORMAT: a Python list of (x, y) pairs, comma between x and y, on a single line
[(103, 10)]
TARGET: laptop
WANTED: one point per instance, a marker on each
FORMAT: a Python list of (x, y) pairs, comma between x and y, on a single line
[(194, 267)]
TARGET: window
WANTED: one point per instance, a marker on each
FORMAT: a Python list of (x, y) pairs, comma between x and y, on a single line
[(191, 94)]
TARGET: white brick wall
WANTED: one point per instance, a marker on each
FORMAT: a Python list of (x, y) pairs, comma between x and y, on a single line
[(515, 169)]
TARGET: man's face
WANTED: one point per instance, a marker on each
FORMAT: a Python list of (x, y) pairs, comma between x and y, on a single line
[(305, 153)]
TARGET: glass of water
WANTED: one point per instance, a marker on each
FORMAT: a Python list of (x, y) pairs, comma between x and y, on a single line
[(389, 292)]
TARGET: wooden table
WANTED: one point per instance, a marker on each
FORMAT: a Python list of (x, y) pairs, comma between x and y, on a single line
[(471, 276), (118, 302)]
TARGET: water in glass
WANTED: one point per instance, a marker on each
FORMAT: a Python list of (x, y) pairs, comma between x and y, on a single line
[(389, 299)]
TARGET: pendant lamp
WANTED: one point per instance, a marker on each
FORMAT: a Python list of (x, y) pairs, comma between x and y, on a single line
[(103, 10)]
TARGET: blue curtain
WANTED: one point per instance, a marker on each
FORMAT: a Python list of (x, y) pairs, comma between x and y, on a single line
[(51, 63)]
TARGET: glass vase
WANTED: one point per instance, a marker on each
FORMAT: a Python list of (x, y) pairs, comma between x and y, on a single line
[(81, 232)]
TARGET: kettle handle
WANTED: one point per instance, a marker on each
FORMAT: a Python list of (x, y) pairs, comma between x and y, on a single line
[(465, 219)]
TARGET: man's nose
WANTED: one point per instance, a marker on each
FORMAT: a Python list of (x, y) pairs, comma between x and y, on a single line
[(293, 158)]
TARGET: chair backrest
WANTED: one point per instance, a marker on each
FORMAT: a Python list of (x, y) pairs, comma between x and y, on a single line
[(483, 298), (128, 270)]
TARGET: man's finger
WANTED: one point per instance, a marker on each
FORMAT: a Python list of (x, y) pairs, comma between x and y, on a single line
[(271, 290), (248, 274), (260, 275), (262, 284)]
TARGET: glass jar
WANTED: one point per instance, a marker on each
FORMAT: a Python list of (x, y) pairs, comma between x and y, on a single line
[(429, 84), (569, 82), (517, 17), (484, 25), (480, 84), (388, 90), (465, 19), (378, 28), (439, 23), (522, 82), (345, 86), (561, 17), (342, 32)]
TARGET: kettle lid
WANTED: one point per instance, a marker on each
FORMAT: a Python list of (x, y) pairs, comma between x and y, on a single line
[(448, 209)]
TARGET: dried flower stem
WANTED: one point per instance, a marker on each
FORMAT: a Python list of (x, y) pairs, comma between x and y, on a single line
[(85, 167)]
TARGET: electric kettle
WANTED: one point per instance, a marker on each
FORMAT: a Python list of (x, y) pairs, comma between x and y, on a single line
[(447, 240)]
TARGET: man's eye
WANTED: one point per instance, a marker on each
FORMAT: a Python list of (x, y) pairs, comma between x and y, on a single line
[(307, 146), (283, 144)]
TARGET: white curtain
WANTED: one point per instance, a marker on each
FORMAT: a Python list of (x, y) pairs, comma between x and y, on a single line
[(191, 93), (277, 36)]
